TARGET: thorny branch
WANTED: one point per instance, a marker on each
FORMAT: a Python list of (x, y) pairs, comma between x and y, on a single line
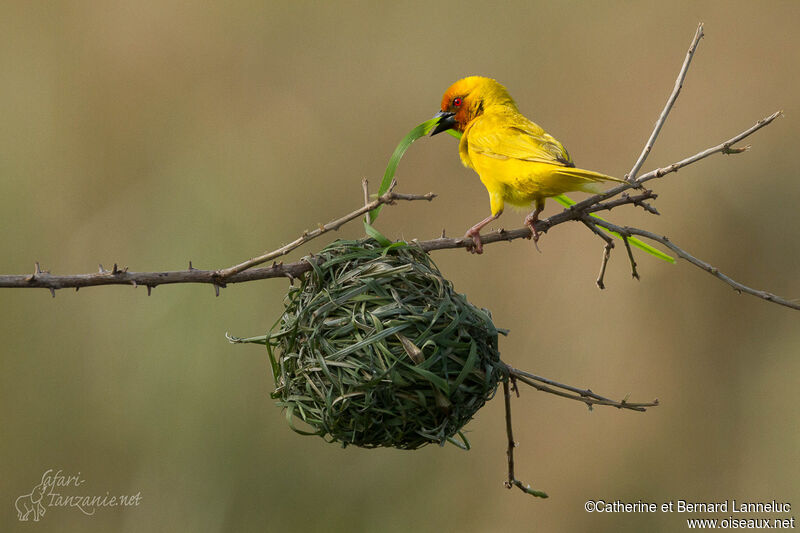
[(593, 204), (614, 197)]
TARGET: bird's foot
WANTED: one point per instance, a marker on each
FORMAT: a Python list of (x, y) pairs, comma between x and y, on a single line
[(531, 221), (477, 244)]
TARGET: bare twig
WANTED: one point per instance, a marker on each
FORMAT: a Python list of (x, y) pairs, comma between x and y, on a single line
[(683, 254), (670, 102), (625, 199), (606, 256), (582, 395), (512, 481), (388, 197), (724, 148), (587, 221), (634, 273)]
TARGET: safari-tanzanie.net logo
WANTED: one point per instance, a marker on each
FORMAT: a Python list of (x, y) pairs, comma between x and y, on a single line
[(57, 489)]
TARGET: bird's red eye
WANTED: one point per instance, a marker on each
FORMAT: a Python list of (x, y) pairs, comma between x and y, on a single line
[(457, 101)]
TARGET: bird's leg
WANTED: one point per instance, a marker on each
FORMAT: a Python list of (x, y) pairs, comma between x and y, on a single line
[(532, 219), (475, 233)]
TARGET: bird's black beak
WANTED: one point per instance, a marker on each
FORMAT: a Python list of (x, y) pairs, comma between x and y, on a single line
[(446, 122)]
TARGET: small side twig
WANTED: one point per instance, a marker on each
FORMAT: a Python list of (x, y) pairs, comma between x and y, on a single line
[(587, 221), (634, 273), (574, 393), (626, 199), (606, 256), (388, 197)]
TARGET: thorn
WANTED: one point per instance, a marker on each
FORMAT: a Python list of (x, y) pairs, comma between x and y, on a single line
[(38, 269), (190, 265), (52, 291), (216, 290), (115, 270), (149, 290), (443, 235), (135, 285), (102, 270), (76, 289)]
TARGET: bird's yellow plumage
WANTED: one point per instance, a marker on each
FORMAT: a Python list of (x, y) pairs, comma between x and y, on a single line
[(518, 162)]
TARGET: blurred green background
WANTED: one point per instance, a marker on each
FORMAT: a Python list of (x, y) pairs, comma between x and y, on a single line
[(154, 133)]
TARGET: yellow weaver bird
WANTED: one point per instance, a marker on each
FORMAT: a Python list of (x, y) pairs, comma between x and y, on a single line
[(517, 161)]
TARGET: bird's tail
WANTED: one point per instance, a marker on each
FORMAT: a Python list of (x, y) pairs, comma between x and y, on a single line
[(585, 180)]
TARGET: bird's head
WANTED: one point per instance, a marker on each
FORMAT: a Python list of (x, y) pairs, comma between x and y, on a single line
[(467, 99)]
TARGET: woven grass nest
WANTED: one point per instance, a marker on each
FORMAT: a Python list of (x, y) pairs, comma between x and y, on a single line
[(375, 348)]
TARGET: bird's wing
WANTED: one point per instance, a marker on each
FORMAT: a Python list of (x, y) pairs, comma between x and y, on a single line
[(520, 139)]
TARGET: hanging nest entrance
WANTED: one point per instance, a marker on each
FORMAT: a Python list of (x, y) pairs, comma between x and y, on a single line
[(375, 348)]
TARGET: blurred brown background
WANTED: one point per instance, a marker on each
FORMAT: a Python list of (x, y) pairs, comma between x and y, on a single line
[(154, 133)]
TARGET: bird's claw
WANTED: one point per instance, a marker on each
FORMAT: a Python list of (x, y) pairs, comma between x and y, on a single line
[(477, 244), (535, 236), (531, 221)]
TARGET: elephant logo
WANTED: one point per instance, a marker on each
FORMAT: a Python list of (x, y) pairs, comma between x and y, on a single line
[(31, 503)]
